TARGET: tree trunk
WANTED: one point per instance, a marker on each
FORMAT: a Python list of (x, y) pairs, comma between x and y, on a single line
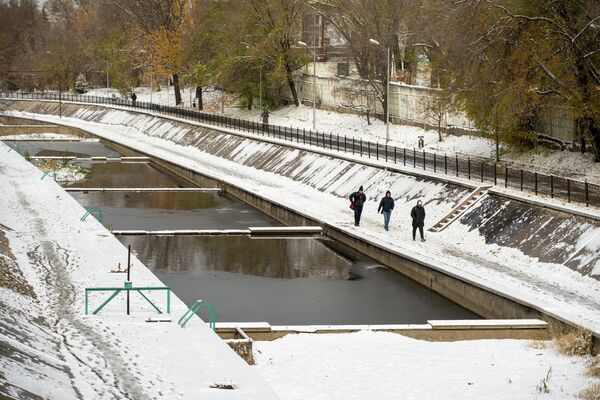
[(594, 130), (199, 97), (292, 85), (177, 89), (440, 128)]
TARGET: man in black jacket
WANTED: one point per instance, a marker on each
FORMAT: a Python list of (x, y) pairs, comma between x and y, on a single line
[(357, 200), (386, 205), (418, 219)]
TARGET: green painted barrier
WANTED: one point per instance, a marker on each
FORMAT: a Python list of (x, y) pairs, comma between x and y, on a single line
[(194, 309), (91, 211), (50, 171), (128, 287)]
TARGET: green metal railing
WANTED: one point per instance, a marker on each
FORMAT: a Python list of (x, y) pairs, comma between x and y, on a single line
[(128, 287), (91, 211), (197, 306), (50, 171)]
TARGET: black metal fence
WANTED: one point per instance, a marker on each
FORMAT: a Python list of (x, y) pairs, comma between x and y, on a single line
[(484, 172)]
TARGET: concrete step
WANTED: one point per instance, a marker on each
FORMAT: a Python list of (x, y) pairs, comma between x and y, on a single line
[(471, 199)]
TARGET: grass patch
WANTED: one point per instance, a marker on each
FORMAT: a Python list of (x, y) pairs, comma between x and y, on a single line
[(575, 343), (594, 367), (571, 341), (591, 393)]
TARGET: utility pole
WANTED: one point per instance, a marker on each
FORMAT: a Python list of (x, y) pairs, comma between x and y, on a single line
[(387, 90)]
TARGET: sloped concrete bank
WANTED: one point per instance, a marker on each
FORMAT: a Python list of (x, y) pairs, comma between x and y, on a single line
[(318, 173)]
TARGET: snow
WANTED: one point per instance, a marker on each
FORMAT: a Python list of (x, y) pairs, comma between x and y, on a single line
[(40, 136), (268, 172), (560, 163), (378, 365), (109, 355)]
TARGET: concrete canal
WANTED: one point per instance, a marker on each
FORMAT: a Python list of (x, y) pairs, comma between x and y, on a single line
[(285, 281)]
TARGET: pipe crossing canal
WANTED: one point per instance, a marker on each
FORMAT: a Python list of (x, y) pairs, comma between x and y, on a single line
[(279, 280)]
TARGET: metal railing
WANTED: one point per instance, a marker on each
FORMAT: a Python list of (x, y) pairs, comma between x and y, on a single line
[(477, 170)]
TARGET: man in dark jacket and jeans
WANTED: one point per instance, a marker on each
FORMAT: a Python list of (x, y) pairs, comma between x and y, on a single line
[(418, 219), (357, 199), (386, 205)]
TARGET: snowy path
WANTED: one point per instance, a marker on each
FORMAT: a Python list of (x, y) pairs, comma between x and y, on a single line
[(458, 251), (110, 355)]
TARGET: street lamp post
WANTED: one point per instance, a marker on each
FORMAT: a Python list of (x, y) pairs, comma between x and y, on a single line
[(314, 54), (387, 91)]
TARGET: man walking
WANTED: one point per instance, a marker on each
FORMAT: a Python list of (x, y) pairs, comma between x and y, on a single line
[(357, 199), (418, 219), (386, 205)]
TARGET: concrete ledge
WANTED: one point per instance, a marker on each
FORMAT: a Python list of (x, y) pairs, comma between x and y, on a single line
[(285, 230), (183, 232), (553, 205), (442, 331), (193, 190), (489, 324)]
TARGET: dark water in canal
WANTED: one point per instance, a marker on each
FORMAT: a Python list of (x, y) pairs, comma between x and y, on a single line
[(72, 149), (171, 210), (126, 174), (288, 281)]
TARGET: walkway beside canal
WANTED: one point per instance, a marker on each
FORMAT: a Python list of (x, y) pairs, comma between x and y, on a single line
[(109, 355)]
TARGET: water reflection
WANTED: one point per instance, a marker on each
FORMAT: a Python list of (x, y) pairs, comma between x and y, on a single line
[(288, 281), (171, 210), (123, 175), (74, 149)]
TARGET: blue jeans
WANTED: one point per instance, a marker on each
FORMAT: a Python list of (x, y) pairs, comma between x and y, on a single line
[(386, 219)]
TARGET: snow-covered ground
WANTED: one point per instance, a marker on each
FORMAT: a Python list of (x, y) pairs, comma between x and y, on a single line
[(363, 365), (40, 136), (51, 349), (378, 365), (561, 163), (314, 180)]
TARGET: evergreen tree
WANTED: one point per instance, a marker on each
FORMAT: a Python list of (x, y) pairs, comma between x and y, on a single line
[(81, 85)]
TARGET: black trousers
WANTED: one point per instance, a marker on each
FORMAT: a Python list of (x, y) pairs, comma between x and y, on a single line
[(357, 213), (420, 231)]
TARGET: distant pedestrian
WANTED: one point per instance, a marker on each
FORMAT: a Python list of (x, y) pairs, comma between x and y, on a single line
[(418, 219), (265, 116), (386, 205), (357, 199), (133, 98)]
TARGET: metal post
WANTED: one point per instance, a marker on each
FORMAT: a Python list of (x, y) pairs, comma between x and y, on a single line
[(568, 190), (387, 99), (434, 163), (404, 158), (552, 186), (314, 121), (377, 150), (128, 273), (414, 158), (423, 160), (445, 164), (587, 194), (535, 183), (386, 153), (521, 180), (481, 173), (395, 155), (360, 146), (369, 149), (60, 96), (469, 168), (495, 174), (456, 157), (506, 176)]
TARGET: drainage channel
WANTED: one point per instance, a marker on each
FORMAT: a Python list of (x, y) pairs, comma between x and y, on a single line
[(281, 280)]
